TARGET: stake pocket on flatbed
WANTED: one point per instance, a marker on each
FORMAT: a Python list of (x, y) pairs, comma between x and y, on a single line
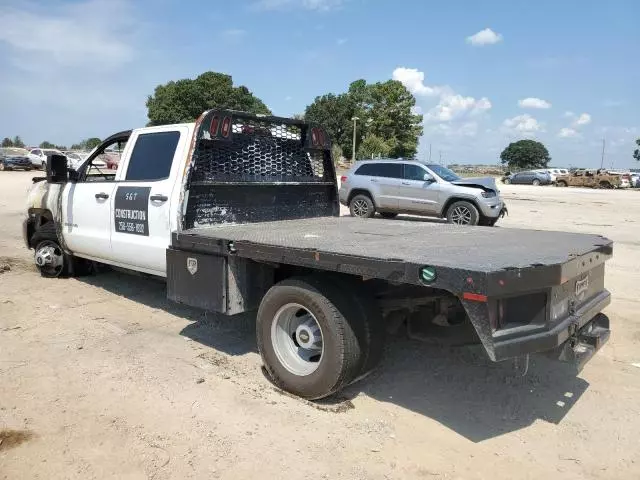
[(254, 224)]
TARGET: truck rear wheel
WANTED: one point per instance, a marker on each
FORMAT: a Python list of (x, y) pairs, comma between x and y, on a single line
[(311, 342), (561, 183)]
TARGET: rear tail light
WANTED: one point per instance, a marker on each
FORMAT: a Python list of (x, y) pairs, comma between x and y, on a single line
[(343, 178)]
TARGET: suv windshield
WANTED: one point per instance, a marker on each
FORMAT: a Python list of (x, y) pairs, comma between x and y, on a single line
[(9, 151), (444, 173)]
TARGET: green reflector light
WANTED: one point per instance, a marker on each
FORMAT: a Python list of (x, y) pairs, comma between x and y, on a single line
[(427, 274)]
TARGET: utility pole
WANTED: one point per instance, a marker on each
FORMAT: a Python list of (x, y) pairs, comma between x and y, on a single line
[(602, 159), (429, 153), (440, 154), (355, 119)]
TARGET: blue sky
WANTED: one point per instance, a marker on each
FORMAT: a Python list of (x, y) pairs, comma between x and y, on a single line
[(483, 73)]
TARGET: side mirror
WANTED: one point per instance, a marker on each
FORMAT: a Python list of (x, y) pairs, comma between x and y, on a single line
[(57, 169), (428, 178)]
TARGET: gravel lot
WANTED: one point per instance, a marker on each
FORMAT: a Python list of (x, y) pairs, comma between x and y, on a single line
[(101, 377)]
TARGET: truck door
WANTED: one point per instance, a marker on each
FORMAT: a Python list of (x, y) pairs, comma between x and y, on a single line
[(143, 197), (416, 194), (86, 214)]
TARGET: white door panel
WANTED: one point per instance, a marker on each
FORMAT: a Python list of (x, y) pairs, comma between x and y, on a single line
[(86, 213), (144, 196)]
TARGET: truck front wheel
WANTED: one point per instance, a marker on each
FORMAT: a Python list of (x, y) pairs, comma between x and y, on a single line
[(312, 344)]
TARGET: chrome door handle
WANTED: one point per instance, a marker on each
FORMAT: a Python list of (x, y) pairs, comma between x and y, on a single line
[(101, 196), (373, 180), (158, 198), (406, 183)]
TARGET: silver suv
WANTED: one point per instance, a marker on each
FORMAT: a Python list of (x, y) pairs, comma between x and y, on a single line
[(390, 187)]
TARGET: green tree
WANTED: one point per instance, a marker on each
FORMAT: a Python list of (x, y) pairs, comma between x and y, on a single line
[(7, 142), (184, 100), (17, 142), (336, 152), (636, 152), (91, 143), (525, 154), (373, 146), (334, 113), (76, 146), (384, 111), (46, 144)]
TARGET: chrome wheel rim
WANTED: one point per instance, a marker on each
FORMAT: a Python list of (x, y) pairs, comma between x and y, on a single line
[(461, 216), (49, 258), (360, 208), (296, 337)]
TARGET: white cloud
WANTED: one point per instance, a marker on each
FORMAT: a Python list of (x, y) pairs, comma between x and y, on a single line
[(569, 113), (453, 106), (96, 33), (233, 33), (532, 102), (413, 79), (484, 37), (341, 41), (288, 98), (314, 5), (583, 119), (567, 133), (523, 124)]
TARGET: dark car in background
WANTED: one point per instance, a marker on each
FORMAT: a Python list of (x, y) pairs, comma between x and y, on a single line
[(14, 159), (528, 178)]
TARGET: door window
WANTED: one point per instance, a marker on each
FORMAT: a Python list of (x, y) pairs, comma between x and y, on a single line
[(414, 172), (152, 156), (382, 169)]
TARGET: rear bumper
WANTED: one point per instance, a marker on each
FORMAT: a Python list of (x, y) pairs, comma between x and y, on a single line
[(554, 339)]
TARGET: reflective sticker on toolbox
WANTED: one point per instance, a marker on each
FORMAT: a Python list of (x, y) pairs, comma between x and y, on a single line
[(131, 210)]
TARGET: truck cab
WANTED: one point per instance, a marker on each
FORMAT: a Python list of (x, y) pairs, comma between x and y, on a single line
[(122, 217)]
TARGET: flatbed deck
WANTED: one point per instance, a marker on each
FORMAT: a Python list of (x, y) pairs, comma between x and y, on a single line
[(383, 248)]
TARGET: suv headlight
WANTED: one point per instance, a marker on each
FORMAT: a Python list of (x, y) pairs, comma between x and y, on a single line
[(490, 194)]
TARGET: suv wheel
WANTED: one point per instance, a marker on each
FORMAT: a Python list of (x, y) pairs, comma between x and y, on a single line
[(362, 206), (536, 182), (463, 213)]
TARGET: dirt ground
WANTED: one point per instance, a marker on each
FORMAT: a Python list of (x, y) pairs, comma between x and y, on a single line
[(102, 377)]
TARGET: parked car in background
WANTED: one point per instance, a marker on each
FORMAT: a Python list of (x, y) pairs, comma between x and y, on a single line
[(75, 158), (12, 158), (528, 178), (38, 156), (635, 180), (390, 187), (590, 178)]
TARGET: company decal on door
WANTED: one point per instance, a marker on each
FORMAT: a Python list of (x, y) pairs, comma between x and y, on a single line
[(131, 212)]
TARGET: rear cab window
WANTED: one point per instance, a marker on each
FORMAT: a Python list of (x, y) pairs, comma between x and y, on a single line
[(382, 169), (152, 156)]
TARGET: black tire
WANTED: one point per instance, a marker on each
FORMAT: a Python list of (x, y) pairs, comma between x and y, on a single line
[(342, 337), (46, 235), (536, 182), (362, 304), (72, 266), (28, 169), (3, 167), (506, 181), (361, 206), (606, 185), (388, 215), (44, 165), (463, 206), (561, 183)]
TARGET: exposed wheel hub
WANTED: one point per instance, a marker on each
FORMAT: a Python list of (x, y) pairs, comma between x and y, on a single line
[(308, 335), (49, 258), (296, 337)]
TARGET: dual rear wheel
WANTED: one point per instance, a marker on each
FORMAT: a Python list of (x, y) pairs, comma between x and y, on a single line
[(314, 339)]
